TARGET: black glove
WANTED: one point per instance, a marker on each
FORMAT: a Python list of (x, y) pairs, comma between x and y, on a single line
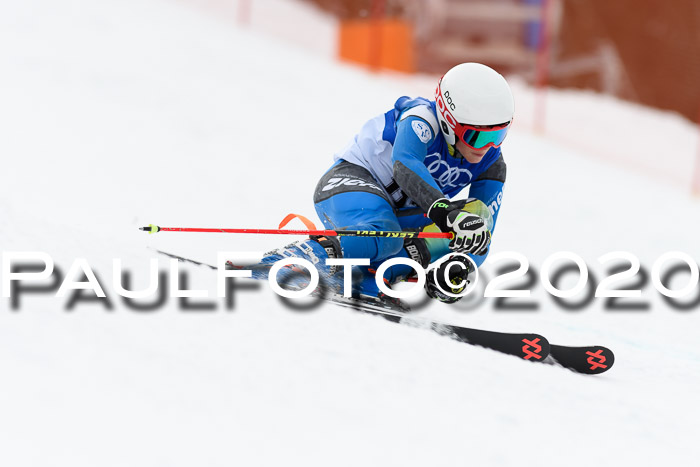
[(469, 231), (459, 270)]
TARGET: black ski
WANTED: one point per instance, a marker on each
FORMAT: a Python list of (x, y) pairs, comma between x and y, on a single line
[(186, 260), (590, 360), (532, 347)]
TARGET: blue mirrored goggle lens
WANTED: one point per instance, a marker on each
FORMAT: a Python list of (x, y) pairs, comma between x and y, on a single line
[(479, 138)]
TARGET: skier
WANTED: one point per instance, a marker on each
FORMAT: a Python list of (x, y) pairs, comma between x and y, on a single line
[(403, 170)]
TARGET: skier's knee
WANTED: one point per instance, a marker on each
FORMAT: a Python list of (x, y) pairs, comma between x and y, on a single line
[(388, 247)]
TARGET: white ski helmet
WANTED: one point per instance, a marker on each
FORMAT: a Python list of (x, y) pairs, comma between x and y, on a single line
[(472, 94)]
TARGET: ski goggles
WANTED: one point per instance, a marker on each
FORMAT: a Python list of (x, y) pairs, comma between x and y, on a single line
[(481, 137)]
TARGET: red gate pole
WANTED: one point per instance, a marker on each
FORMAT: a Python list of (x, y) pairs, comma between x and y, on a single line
[(244, 12), (542, 67), (695, 183)]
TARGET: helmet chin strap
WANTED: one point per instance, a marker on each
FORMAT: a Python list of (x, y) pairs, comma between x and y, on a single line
[(452, 149)]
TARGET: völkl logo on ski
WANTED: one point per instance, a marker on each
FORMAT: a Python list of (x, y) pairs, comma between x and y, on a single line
[(532, 353), (596, 364)]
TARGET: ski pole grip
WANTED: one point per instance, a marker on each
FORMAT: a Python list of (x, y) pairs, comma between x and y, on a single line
[(151, 228)]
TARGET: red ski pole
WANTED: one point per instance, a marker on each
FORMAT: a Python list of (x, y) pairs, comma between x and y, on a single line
[(329, 233)]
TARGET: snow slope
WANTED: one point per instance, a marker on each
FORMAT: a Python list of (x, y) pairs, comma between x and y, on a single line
[(116, 114)]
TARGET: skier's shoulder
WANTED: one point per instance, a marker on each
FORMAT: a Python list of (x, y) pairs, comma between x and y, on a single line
[(418, 107)]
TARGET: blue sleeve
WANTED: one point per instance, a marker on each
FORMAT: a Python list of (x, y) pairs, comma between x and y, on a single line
[(488, 188), (491, 193), (413, 137)]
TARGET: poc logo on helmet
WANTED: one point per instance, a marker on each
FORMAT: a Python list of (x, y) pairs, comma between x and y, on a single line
[(449, 100), (444, 112)]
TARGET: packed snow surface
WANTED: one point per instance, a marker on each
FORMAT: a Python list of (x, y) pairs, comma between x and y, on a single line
[(117, 114)]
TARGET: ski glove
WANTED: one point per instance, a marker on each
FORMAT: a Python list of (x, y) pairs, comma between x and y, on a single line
[(469, 231), (458, 269)]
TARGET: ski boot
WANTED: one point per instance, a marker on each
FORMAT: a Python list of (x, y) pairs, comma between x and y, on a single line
[(315, 249), (365, 290)]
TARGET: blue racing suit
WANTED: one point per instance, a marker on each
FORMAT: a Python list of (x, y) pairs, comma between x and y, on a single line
[(390, 174)]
